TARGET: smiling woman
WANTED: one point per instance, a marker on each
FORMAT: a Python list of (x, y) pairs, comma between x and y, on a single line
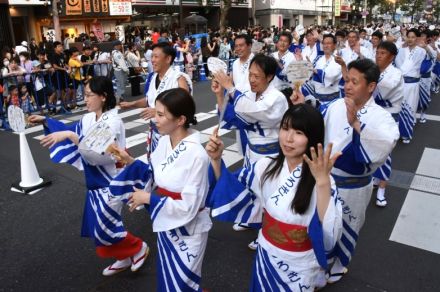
[(102, 216)]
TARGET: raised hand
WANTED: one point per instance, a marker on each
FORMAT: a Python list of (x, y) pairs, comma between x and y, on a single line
[(297, 97), (352, 110), (224, 80), (148, 113), (120, 154), (215, 146), (321, 163), (216, 87)]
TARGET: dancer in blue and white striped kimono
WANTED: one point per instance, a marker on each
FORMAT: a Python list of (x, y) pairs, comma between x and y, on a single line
[(425, 74), (365, 133), (164, 77), (324, 85), (256, 113), (302, 214), (389, 95), (102, 215), (409, 61), (176, 196)]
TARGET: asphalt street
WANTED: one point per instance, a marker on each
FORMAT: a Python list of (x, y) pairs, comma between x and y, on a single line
[(41, 250)]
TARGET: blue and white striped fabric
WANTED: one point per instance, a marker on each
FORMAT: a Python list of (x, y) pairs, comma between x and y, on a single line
[(384, 172), (271, 273), (345, 246), (138, 174), (406, 122), (425, 94), (102, 218), (308, 89), (65, 151), (180, 259), (230, 200)]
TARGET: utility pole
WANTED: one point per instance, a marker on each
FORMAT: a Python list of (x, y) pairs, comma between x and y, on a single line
[(56, 19), (180, 14)]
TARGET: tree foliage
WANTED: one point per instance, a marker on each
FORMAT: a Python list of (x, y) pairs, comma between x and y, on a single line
[(225, 6)]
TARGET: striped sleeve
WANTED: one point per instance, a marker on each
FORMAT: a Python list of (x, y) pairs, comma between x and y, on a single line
[(65, 151), (232, 198), (136, 175)]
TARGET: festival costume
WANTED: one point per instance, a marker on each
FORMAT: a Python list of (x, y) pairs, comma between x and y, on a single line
[(170, 80), (362, 154), (102, 215), (292, 247), (280, 80), (177, 208)]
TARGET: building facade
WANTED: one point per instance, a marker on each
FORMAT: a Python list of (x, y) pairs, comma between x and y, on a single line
[(289, 13)]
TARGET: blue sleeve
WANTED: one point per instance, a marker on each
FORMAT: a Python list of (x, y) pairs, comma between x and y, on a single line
[(231, 118), (319, 76), (65, 151), (231, 198), (136, 175)]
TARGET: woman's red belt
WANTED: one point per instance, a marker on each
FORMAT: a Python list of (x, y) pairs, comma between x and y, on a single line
[(285, 236)]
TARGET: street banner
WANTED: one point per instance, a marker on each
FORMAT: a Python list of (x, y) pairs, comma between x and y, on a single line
[(104, 6), (98, 30), (73, 7), (87, 6), (337, 8), (96, 6), (120, 33)]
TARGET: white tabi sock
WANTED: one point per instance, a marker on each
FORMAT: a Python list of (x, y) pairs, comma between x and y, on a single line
[(380, 193)]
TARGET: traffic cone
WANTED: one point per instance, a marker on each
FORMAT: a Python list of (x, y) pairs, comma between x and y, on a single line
[(202, 73), (31, 182)]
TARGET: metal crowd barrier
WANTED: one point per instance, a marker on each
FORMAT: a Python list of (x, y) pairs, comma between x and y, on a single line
[(53, 91)]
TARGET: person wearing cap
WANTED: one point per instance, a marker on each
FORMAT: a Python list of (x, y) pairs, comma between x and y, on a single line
[(120, 69), (23, 47)]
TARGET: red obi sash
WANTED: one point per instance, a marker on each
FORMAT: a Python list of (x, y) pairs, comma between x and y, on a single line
[(285, 236), (167, 193)]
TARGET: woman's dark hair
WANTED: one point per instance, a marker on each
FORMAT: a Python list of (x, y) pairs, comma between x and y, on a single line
[(102, 85), (179, 102), (25, 54), (268, 64), (330, 36), (166, 49), (388, 46), (307, 119), (368, 68)]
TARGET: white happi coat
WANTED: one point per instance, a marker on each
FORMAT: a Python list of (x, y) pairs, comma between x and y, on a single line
[(389, 90), (274, 197), (181, 170), (260, 118), (311, 53), (326, 80), (280, 80), (240, 73), (362, 154), (349, 55), (170, 80), (409, 62)]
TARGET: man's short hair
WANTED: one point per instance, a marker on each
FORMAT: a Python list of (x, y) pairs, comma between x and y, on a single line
[(167, 49), (368, 68), (389, 46)]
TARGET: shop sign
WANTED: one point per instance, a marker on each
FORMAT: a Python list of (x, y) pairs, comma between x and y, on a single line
[(73, 7), (120, 7), (87, 6)]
